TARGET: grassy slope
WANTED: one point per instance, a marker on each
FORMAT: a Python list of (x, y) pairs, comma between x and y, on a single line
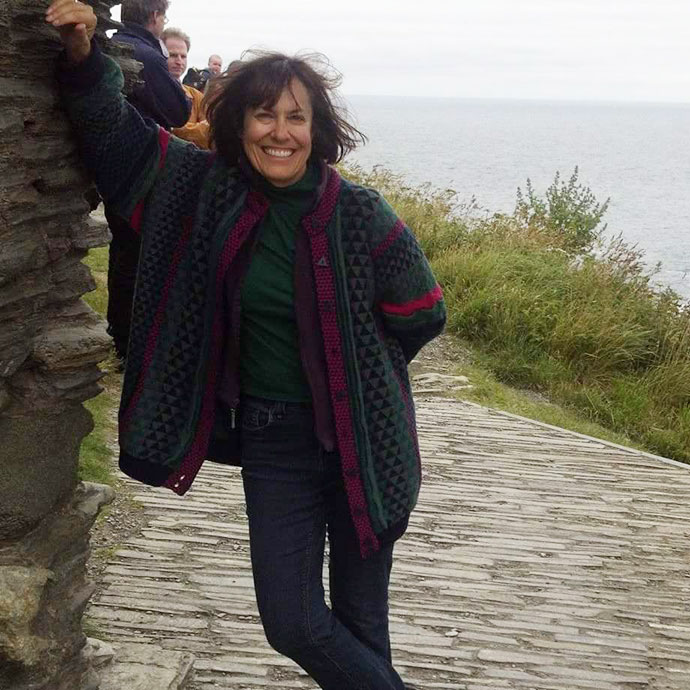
[(95, 460)]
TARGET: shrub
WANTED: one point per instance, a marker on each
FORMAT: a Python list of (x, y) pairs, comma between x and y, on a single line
[(569, 208)]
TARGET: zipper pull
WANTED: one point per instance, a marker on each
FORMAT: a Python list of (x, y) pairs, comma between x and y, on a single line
[(232, 418)]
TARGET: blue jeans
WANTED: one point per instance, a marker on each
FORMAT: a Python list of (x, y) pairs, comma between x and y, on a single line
[(295, 496)]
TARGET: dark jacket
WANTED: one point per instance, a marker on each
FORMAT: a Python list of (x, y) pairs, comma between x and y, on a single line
[(160, 96), (197, 78), (373, 305)]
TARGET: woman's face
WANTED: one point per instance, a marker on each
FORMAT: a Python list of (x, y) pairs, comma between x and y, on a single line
[(277, 140)]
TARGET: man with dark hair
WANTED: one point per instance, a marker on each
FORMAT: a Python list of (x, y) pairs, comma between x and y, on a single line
[(158, 96)]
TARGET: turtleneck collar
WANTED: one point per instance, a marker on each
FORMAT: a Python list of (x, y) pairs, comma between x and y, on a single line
[(312, 183), (304, 187)]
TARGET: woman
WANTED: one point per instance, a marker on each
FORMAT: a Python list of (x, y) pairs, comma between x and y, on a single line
[(274, 293)]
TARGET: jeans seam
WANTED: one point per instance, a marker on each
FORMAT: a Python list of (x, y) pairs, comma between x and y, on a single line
[(305, 603)]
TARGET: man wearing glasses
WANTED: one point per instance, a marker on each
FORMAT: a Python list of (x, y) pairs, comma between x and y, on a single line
[(160, 97)]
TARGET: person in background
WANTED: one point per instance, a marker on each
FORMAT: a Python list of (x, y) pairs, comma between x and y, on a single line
[(161, 98), (196, 130), (199, 78), (215, 65), (272, 291)]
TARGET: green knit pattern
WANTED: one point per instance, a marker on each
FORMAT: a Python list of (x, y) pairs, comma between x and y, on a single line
[(383, 412)]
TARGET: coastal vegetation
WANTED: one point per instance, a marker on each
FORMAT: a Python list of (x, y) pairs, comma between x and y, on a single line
[(550, 305)]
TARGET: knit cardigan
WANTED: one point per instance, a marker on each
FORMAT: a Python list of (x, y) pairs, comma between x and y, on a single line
[(378, 303)]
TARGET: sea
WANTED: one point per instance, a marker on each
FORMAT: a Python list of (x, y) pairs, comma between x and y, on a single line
[(638, 155)]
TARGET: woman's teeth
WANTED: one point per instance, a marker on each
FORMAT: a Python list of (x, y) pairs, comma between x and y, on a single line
[(279, 153)]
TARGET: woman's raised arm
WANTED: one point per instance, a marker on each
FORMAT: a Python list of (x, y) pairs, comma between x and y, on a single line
[(123, 151)]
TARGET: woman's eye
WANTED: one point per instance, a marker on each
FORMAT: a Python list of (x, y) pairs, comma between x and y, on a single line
[(297, 118), (263, 116)]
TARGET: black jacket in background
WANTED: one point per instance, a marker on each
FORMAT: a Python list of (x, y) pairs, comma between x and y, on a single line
[(160, 97)]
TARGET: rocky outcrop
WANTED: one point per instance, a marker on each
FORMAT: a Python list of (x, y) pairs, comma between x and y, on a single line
[(43, 593), (50, 346)]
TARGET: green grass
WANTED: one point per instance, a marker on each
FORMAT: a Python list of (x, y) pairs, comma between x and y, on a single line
[(487, 390), (97, 261), (550, 307), (95, 458)]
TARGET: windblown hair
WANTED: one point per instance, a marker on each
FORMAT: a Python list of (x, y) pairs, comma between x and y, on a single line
[(260, 81), (140, 11), (176, 33)]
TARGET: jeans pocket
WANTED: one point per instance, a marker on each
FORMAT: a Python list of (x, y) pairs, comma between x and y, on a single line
[(256, 417)]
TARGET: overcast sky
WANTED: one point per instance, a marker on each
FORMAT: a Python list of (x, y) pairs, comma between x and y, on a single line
[(630, 50)]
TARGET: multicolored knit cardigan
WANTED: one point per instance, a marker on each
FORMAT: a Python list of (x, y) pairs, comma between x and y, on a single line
[(378, 303)]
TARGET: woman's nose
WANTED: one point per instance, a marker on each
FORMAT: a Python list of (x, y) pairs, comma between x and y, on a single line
[(280, 131)]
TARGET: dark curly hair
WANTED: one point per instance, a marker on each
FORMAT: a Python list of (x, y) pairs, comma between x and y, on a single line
[(259, 79)]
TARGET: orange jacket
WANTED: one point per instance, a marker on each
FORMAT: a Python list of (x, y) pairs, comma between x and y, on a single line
[(196, 130)]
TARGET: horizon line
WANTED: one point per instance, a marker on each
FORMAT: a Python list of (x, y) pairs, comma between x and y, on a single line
[(524, 99)]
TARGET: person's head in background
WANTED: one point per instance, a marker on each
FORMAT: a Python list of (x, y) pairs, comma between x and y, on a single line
[(215, 64), (178, 44), (151, 14)]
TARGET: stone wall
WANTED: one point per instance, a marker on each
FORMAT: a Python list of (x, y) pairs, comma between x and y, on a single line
[(50, 346)]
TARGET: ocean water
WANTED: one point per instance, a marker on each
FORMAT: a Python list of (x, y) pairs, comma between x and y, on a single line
[(636, 154)]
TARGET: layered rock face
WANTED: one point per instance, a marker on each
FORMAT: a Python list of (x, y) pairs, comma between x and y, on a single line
[(50, 346)]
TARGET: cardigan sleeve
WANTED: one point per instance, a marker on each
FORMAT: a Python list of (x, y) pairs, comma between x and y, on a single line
[(408, 298), (123, 151)]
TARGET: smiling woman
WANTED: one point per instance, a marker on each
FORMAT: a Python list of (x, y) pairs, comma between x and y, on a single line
[(274, 292)]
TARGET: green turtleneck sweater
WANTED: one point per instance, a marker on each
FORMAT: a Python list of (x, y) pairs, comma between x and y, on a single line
[(270, 364)]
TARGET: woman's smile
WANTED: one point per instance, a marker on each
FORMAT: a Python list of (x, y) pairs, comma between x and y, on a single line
[(278, 153)]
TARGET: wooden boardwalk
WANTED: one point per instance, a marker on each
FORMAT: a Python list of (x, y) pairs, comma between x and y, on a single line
[(536, 559)]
